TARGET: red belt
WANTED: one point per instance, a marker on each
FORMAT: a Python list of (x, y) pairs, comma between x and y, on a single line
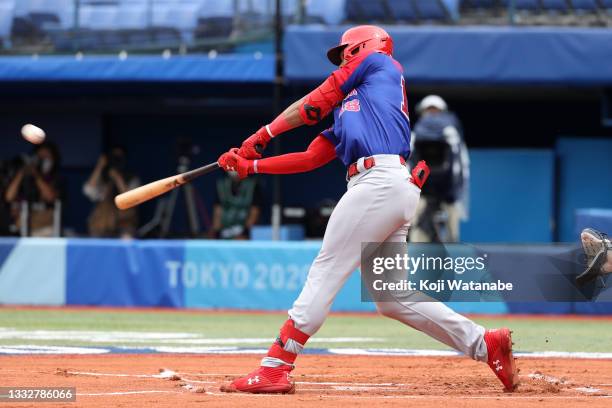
[(368, 163), (419, 173)]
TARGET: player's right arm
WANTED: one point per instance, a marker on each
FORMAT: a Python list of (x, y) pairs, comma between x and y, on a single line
[(311, 108), (320, 152)]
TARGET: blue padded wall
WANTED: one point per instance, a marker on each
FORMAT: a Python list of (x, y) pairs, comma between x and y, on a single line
[(511, 196)]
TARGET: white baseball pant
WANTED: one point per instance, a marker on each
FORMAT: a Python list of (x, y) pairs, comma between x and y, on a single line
[(377, 207)]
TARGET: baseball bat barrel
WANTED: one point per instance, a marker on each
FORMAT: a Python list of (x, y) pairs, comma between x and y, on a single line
[(154, 189)]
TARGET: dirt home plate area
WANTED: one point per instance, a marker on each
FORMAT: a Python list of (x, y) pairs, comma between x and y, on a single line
[(147, 380)]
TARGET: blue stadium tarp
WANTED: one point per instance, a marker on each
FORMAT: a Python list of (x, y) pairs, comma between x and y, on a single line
[(484, 55), (223, 68)]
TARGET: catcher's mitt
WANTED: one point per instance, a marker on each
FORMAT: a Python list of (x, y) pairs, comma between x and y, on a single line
[(596, 245)]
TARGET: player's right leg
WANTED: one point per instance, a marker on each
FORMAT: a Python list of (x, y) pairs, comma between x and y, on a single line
[(451, 328), (431, 317)]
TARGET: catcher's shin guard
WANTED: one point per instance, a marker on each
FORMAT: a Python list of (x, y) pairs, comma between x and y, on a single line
[(595, 245)]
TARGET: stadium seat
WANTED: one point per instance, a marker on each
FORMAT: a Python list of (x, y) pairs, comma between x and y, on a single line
[(215, 20), (522, 5), (402, 10), (478, 11), (167, 36), (252, 7), (256, 12), (479, 4), (555, 5), (98, 17), (111, 40), (132, 15), (325, 11), (180, 15), (45, 21), (374, 10), (184, 18), (529, 5), (431, 10), (215, 8), (64, 9), (6, 19), (23, 30), (585, 5), (365, 11), (141, 37), (214, 27)]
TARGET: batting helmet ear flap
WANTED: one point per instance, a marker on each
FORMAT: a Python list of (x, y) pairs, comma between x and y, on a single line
[(358, 39), (335, 54)]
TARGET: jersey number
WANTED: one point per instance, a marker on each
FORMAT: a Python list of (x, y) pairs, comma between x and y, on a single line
[(404, 99)]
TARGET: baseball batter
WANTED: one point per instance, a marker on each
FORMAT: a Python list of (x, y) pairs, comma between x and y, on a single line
[(371, 135)]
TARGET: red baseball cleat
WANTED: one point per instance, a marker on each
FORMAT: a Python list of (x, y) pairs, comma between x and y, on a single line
[(499, 347), (264, 380)]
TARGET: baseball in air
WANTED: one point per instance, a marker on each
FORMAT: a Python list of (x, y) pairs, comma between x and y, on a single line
[(33, 134)]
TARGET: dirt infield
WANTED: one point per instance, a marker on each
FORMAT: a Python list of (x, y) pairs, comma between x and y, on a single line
[(149, 380)]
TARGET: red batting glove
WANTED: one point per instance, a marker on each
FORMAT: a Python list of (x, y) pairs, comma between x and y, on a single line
[(231, 161), (254, 145)]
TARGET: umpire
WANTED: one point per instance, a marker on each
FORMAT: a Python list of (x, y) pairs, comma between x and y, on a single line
[(437, 138)]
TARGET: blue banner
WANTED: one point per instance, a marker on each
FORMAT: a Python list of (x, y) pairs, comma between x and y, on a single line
[(122, 273), (33, 271), (253, 275), (260, 275)]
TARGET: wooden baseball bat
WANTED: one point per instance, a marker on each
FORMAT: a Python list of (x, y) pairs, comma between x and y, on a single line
[(144, 193)]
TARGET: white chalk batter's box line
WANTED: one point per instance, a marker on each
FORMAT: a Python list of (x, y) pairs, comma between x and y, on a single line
[(327, 386), (384, 397)]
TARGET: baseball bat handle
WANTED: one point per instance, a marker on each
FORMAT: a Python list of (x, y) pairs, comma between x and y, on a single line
[(154, 189), (200, 171)]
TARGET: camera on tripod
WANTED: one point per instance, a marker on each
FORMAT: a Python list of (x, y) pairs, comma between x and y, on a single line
[(160, 225)]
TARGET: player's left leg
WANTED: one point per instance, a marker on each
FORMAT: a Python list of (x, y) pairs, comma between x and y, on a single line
[(375, 204), (445, 325)]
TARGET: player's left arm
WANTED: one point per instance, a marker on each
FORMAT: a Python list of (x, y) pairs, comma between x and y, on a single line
[(311, 108), (320, 152)]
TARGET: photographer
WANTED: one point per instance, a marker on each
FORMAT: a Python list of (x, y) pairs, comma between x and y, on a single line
[(108, 179), (37, 183), (437, 138), (237, 207), (6, 176)]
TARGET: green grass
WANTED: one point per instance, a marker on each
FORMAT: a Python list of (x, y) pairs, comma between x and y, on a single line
[(530, 334)]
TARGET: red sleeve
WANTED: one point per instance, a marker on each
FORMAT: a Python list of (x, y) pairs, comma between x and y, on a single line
[(320, 152)]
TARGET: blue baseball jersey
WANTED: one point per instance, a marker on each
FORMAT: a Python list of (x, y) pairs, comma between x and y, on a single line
[(373, 117)]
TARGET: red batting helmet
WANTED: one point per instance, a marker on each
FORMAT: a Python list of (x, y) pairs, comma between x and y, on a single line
[(359, 39)]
